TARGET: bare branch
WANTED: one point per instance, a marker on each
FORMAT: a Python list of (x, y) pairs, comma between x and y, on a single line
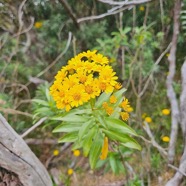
[(170, 78), (125, 3), (70, 11), (154, 143), (34, 127)]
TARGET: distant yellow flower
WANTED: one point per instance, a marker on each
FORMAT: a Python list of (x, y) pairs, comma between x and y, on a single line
[(148, 119), (105, 105), (70, 172), (165, 139), (56, 152), (104, 151), (38, 24), (167, 54), (124, 115), (113, 99), (76, 153), (142, 8), (165, 111)]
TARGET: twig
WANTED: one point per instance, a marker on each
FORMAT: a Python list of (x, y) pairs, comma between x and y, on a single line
[(33, 127), (12, 111), (154, 143), (70, 11), (126, 3), (177, 169)]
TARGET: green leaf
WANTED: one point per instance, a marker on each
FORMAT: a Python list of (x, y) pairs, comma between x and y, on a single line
[(117, 125), (71, 118), (67, 128), (84, 129), (119, 93), (70, 137), (123, 138), (102, 98), (95, 150), (87, 141), (132, 144), (40, 102), (113, 164)]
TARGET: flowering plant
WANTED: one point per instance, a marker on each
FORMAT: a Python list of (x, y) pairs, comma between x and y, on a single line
[(93, 103)]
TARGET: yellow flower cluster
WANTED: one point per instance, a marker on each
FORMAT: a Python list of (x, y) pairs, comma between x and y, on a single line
[(125, 105), (85, 76)]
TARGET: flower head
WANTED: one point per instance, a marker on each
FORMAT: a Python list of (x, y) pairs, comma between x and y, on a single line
[(165, 139), (70, 172), (141, 8), (113, 99), (125, 104), (165, 111), (56, 152), (124, 115), (38, 24), (148, 119), (76, 153), (104, 150)]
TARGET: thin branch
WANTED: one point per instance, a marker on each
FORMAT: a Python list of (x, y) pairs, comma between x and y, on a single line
[(34, 127), (150, 75), (177, 169), (15, 112), (109, 12), (154, 143), (70, 11), (125, 3)]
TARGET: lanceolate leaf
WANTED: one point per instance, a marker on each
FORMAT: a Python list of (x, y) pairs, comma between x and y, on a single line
[(123, 138), (71, 118), (95, 150), (87, 141), (70, 137), (117, 125), (113, 163), (85, 128), (67, 128)]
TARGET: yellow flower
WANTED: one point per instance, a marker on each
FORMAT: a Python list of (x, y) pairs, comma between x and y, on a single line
[(124, 115), (70, 172), (109, 110), (142, 8), (165, 139), (104, 150), (148, 119), (118, 86), (167, 54), (76, 153), (165, 111), (56, 152), (105, 105), (125, 104), (130, 109), (113, 99), (38, 24)]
